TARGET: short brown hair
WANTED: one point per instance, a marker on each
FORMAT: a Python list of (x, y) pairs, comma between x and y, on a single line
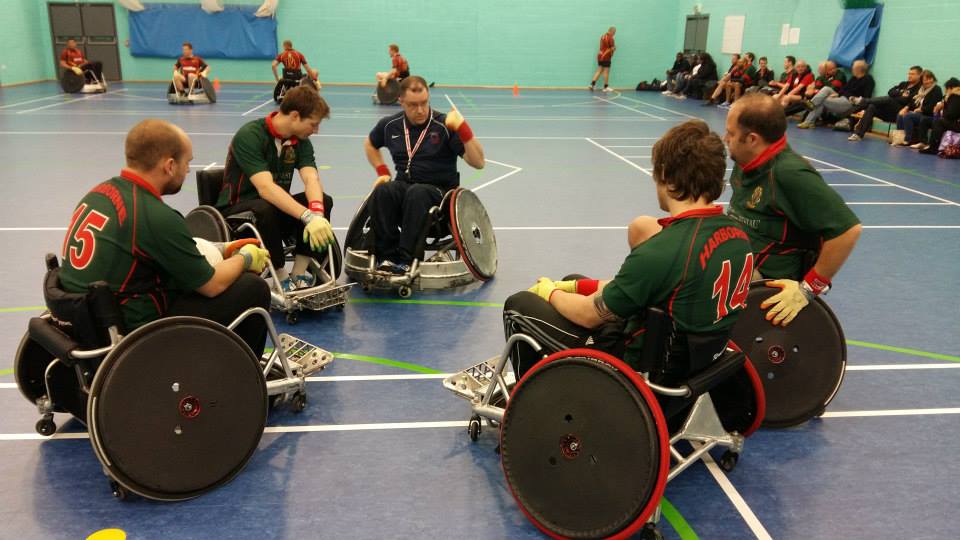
[(394, 47), (306, 101), (691, 160), (413, 83), (763, 115), (188, 44), (152, 141), (288, 44)]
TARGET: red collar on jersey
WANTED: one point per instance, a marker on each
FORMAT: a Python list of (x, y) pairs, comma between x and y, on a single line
[(273, 131), (715, 210), (127, 174), (767, 154)]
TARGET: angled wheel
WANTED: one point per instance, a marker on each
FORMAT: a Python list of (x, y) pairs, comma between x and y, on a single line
[(473, 234), (584, 446), (71, 82), (801, 365), (173, 424), (360, 231), (389, 93), (206, 222)]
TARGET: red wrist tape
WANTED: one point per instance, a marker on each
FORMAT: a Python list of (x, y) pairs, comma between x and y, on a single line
[(586, 287), (316, 207), (383, 170), (465, 133), (816, 282)]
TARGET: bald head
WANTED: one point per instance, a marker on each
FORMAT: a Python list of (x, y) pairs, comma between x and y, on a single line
[(761, 114), (152, 141)]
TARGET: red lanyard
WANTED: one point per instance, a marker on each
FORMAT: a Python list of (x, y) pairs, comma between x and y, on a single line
[(406, 136)]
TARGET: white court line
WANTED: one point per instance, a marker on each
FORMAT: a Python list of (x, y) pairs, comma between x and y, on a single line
[(210, 166), (267, 102), (892, 184), (661, 108), (637, 157), (741, 505), (890, 412), (618, 156), (204, 167), (634, 109), (900, 367), (631, 146), (499, 178), (66, 102), (32, 101)]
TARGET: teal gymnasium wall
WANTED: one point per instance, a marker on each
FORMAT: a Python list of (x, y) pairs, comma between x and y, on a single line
[(502, 42)]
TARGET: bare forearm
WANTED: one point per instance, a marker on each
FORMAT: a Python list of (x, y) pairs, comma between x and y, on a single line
[(576, 308), (312, 185), (835, 252), (373, 154), (224, 275), (282, 200), (473, 154)]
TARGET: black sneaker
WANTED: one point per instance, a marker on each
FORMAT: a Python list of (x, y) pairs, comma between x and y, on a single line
[(391, 267)]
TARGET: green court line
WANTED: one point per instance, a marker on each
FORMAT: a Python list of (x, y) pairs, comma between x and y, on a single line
[(676, 520), (424, 302), (6, 371), (22, 308), (882, 164), (903, 350), (387, 362)]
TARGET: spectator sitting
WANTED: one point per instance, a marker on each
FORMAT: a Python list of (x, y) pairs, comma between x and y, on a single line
[(698, 82), (764, 78), (838, 102), (949, 109), (910, 118), (722, 83), (886, 107), (829, 83), (680, 67), (743, 77), (682, 80), (793, 90), (789, 66)]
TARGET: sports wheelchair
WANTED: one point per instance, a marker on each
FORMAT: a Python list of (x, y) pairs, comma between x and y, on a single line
[(200, 91), (387, 94), (208, 223), (457, 231), (801, 365), (88, 83), (291, 79), (588, 444), (166, 424)]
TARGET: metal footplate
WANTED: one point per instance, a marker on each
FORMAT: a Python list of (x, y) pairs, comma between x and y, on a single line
[(319, 298), (307, 356), (472, 383)]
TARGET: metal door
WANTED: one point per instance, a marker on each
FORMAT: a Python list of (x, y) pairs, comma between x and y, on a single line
[(695, 36), (94, 28)]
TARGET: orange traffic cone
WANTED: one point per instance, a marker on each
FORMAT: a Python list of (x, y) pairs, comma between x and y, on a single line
[(516, 90), (216, 84)]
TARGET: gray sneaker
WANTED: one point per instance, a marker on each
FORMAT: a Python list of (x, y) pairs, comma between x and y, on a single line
[(854, 138)]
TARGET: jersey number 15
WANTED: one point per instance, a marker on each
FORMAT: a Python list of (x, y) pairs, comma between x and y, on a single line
[(721, 287), (80, 239)]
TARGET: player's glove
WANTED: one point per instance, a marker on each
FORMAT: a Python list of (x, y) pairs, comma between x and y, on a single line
[(787, 303), (231, 248), (255, 258), (317, 230), (569, 286), (455, 122), (77, 70), (544, 288)]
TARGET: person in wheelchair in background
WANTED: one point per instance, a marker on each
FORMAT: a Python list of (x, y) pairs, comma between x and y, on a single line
[(424, 145), (188, 69), (293, 63), (695, 265), (124, 234)]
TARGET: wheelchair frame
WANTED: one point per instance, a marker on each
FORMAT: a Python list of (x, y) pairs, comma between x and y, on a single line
[(191, 96), (98, 87)]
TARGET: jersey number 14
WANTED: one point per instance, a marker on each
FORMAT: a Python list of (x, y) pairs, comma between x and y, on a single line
[(721, 287), (82, 244)]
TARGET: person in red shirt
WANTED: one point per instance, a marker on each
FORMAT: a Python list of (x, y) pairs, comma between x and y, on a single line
[(399, 70), (604, 57), (797, 83), (293, 61), (188, 68), (72, 58)]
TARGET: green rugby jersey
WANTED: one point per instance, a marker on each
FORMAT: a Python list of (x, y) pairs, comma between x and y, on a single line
[(697, 269), (255, 148), (123, 233), (787, 209)]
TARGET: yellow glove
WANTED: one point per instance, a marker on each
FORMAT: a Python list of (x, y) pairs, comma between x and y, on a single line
[(77, 70), (255, 258), (569, 286), (316, 230), (454, 120), (787, 303), (543, 288)]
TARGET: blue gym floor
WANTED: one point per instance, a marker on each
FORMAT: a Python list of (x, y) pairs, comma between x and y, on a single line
[(381, 451)]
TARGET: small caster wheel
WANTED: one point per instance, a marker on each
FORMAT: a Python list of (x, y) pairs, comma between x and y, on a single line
[(119, 492), (405, 292), (299, 402), (728, 461), (366, 288), (651, 532), (46, 426), (338, 307), (473, 428), (292, 317)]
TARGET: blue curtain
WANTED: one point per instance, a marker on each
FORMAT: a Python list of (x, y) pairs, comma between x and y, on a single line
[(160, 30), (856, 36)]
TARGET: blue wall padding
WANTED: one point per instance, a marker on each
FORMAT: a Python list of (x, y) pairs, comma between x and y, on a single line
[(856, 36), (160, 30)]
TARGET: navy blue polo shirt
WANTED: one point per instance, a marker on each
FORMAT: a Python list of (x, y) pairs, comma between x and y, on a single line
[(435, 162)]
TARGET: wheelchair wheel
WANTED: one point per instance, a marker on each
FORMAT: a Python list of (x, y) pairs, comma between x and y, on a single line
[(71, 82), (172, 425), (360, 232), (473, 233), (584, 446), (206, 222), (282, 87), (389, 93), (801, 366)]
